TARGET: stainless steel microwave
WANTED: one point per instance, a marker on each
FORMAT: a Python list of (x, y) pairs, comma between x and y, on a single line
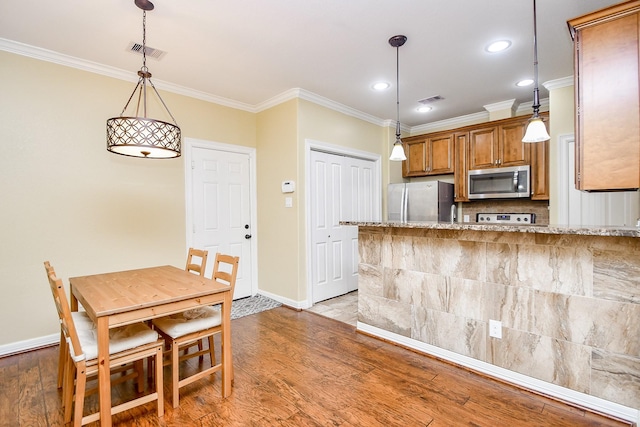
[(500, 183)]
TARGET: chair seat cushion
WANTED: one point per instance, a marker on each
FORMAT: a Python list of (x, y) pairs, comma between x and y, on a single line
[(120, 339), (82, 320), (197, 319)]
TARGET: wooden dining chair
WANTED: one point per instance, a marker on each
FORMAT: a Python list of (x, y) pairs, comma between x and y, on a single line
[(192, 264), (81, 321), (183, 329), (127, 344)]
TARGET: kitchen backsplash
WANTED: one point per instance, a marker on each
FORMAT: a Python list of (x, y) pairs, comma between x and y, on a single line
[(538, 207)]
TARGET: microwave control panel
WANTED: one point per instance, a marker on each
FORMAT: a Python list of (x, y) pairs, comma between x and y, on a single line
[(508, 218)]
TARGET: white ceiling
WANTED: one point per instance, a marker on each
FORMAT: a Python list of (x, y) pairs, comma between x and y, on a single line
[(250, 51)]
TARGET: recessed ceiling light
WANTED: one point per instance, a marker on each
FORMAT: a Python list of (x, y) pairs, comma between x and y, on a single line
[(424, 109), (498, 46), (525, 82), (381, 86)]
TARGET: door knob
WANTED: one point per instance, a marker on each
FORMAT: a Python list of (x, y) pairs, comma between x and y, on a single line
[(247, 236)]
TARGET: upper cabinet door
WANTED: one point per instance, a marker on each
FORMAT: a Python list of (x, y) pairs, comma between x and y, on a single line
[(607, 98), (483, 148), (513, 152), (416, 152), (441, 154)]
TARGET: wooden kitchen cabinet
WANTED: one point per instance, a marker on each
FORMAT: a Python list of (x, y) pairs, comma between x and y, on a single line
[(607, 96), (460, 174), (481, 146), (416, 151), (499, 145), (540, 170), (429, 155)]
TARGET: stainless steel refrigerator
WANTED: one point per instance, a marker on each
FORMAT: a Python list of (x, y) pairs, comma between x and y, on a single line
[(420, 201)]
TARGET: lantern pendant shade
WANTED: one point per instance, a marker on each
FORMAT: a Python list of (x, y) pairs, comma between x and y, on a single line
[(138, 135)]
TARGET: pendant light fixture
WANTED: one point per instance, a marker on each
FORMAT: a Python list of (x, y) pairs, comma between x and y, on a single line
[(536, 129), (138, 135), (397, 154)]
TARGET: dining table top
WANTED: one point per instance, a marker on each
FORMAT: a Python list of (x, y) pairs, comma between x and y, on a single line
[(107, 294)]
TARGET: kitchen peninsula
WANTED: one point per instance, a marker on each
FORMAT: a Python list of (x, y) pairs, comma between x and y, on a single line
[(568, 300)]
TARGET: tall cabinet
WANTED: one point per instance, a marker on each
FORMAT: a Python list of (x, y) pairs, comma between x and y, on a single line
[(607, 96)]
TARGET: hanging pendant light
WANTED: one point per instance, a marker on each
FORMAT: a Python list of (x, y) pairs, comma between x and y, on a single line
[(536, 129), (138, 135), (397, 154)]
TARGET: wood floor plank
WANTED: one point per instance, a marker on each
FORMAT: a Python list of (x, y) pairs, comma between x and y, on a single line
[(300, 369)]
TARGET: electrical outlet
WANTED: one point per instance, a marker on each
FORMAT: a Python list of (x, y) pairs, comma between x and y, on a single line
[(466, 218), (495, 328)]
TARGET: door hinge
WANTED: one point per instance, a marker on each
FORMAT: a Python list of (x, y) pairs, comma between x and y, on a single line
[(193, 164)]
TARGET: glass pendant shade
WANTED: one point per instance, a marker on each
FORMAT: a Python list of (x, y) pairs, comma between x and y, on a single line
[(397, 154), (136, 135), (536, 131)]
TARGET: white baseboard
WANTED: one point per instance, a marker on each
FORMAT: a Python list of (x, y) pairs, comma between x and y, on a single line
[(581, 399), (300, 305), (27, 345)]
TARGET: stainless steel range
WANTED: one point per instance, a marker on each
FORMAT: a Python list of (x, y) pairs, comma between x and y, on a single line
[(509, 218)]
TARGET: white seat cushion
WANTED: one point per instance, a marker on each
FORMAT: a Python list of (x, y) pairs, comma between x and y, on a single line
[(197, 319), (120, 339), (82, 320)]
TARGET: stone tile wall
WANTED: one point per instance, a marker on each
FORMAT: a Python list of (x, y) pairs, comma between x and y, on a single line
[(569, 305)]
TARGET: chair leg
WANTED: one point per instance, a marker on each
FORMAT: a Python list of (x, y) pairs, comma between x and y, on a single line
[(62, 357), (67, 388), (212, 353), (139, 368), (81, 382), (200, 348), (175, 373), (159, 382)]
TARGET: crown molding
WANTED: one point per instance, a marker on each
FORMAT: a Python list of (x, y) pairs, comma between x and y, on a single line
[(452, 123), (117, 73), (319, 100), (558, 83)]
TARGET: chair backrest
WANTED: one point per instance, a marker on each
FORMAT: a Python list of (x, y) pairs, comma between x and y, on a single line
[(64, 313), (193, 266), (229, 270)]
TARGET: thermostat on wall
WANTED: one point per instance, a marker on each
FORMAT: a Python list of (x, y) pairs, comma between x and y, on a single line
[(288, 186)]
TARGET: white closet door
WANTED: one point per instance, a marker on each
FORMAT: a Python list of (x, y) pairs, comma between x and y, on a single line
[(341, 189)]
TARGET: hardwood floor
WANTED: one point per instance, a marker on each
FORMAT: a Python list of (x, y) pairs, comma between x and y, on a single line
[(301, 369)]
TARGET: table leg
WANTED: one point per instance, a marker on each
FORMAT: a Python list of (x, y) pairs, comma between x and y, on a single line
[(104, 373), (74, 301), (226, 345)]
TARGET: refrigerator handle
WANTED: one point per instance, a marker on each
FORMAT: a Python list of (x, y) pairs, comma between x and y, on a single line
[(403, 206)]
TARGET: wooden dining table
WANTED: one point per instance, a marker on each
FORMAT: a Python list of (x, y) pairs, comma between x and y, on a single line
[(125, 297)]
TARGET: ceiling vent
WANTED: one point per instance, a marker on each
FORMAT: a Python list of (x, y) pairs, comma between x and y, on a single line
[(430, 99), (149, 51)]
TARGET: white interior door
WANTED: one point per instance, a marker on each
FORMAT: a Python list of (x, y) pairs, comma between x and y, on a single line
[(341, 189), (221, 212)]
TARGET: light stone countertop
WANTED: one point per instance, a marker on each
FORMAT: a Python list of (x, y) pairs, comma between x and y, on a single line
[(615, 231)]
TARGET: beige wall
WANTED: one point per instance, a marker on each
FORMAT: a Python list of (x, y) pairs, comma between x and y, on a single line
[(278, 240), (561, 104), (67, 200)]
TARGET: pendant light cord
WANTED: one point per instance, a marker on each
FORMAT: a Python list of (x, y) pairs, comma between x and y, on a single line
[(536, 95), (397, 92)]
